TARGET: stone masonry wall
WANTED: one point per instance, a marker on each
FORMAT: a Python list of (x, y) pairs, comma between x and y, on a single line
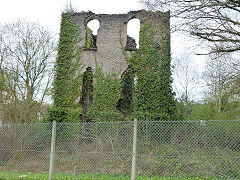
[(108, 53)]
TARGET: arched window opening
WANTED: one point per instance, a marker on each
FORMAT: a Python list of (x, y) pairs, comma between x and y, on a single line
[(91, 33), (125, 103), (133, 29), (87, 91)]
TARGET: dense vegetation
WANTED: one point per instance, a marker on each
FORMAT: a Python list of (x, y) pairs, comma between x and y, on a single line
[(153, 96), (67, 79)]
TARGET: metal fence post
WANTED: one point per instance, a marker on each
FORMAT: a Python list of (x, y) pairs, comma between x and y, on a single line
[(51, 165), (133, 175)]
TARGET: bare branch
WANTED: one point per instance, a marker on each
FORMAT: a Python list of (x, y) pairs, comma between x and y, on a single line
[(214, 21)]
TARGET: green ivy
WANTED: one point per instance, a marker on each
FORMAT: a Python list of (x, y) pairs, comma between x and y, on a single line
[(67, 77), (106, 93), (88, 37), (125, 103), (153, 95)]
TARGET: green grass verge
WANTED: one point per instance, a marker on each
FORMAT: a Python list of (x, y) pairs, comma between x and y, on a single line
[(6, 175)]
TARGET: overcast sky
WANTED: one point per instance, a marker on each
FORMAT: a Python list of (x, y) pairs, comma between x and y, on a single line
[(48, 12)]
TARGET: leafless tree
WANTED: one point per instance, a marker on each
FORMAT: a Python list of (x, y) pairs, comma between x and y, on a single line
[(29, 62), (222, 74), (69, 7), (214, 21), (186, 77)]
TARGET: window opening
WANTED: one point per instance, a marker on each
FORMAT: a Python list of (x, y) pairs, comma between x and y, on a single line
[(91, 33), (125, 103), (133, 29), (87, 91)]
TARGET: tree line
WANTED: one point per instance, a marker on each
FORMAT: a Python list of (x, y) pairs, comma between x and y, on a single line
[(217, 86)]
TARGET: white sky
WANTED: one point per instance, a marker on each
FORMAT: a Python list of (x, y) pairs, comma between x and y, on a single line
[(48, 14)]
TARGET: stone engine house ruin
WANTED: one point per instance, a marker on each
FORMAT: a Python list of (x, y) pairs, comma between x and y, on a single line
[(105, 48)]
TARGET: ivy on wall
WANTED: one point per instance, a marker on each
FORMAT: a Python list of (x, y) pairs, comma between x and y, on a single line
[(88, 37), (106, 93), (125, 103), (67, 77), (153, 95), (150, 97), (87, 93)]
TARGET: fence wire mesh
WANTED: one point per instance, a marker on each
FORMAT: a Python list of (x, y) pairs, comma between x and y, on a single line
[(164, 148), (25, 147)]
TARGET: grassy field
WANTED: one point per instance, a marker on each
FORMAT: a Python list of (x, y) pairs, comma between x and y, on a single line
[(5, 175)]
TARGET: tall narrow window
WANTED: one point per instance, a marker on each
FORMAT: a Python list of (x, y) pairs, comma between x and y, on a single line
[(91, 33), (133, 29), (87, 90), (125, 103)]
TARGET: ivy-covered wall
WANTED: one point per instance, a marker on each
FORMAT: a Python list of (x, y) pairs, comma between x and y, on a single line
[(144, 91), (153, 95), (106, 94), (67, 76)]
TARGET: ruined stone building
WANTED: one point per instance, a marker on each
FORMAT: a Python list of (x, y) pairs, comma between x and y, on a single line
[(105, 48)]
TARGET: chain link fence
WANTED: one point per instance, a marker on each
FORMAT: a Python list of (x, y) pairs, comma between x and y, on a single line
[(164, 148)]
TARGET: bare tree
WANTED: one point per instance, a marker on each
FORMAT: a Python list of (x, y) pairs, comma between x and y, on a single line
[(222, 79), (30, 56), (214, 21), (186, 81), (69, 7), (186, 77)]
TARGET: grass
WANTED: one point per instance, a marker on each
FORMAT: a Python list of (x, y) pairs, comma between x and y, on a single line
[(7, 175)]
